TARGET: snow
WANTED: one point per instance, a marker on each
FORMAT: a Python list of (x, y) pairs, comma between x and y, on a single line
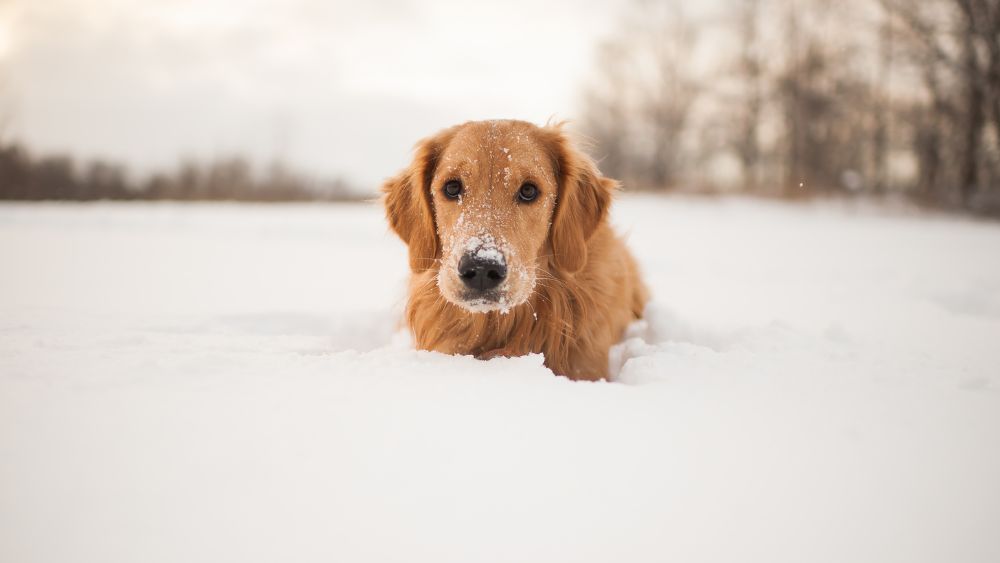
[(485, 248), (226, 383)]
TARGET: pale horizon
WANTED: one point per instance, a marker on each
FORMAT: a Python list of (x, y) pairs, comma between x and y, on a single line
[(333, 89)]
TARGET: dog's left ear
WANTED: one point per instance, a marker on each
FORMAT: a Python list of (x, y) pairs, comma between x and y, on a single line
[(408, 202), (581, 204)]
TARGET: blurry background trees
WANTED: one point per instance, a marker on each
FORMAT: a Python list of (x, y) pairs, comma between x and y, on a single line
[(804, 97), (27, 177), (783, 98)]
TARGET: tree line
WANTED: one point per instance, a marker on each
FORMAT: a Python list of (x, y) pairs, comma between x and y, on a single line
[(804, 97), (25, 176)]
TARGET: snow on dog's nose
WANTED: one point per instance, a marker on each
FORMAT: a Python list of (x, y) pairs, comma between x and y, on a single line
[(483, 266)]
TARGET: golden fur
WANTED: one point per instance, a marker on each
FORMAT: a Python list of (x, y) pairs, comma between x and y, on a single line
[(572, 286)]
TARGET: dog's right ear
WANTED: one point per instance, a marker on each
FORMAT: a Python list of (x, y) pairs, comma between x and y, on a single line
[(408, 202)]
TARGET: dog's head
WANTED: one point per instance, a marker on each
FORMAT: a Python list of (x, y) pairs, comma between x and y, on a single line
[(488, 205)]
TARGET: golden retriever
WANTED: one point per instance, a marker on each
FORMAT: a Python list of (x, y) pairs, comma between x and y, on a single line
[(510, 248)]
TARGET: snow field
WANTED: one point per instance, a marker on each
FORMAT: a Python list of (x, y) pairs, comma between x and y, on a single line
[(227, 383)]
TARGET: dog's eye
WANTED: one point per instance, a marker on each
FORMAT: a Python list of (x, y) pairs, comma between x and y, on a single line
[(452, 189), (528, 192)]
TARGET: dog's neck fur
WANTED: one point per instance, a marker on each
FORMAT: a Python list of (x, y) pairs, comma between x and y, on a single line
[(570, 318), (543, 324)]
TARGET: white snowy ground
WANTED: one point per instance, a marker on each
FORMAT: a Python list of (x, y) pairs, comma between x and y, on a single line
[(208, 383)]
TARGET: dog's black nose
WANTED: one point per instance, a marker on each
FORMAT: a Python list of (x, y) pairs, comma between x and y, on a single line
[(481, 273)]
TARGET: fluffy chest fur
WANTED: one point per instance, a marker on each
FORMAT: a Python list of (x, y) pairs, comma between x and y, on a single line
[(572, 320)]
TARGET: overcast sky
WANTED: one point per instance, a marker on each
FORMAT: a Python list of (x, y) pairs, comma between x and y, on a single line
[(331, 86)]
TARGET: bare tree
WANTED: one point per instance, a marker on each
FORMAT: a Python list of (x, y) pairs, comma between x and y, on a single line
[(975, 96), (667, 40), (638, 106), (745, 140), (822, 98), (607, 109), (881, 109)]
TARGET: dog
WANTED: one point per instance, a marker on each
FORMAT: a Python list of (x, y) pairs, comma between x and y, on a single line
[(510, 249)]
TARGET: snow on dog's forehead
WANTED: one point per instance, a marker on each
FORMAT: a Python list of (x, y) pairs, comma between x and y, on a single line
[(512, 151)]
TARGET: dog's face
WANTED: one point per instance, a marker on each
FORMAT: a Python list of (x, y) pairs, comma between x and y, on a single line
[(493, 192), (488, 204)]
